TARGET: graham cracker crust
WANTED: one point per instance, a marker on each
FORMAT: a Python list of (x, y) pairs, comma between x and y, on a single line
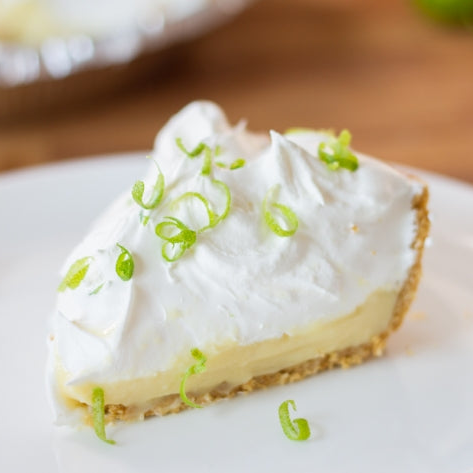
[(338, 359)]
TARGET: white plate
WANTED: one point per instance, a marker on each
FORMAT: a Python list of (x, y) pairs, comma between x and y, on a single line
[(411, 411)]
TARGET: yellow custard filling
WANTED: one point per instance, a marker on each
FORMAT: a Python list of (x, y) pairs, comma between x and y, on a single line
[(232, 365)]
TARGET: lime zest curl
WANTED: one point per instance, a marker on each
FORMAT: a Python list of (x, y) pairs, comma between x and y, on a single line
[(197, 151), (287, 214), (237, 164), (96, 290), (298, 429), (125, 264), (174, 231), (184, 238), (144, 219), (156, 194), (228, 200), (187, 237), (75, 274), (207, 152), (341, 156), (199, 367), (98, 415), (193, 153), (214, 218), (207, 166)]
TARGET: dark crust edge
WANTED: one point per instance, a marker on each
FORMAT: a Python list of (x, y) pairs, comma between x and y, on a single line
[(341, 358)]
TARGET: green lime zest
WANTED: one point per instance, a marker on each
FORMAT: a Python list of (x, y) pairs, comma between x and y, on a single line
[(197, 151), (144, 219), (199, 367), (98, 415), (214, 218), (193, 153), (156, 194), (125, 264), (207, 166), (75, 274), (184, 238), (237, 164), (228, 200), (97, 290), (298, 429), (341, 156), (285, 212)]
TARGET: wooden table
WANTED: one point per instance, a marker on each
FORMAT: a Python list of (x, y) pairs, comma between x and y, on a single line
[(401, 84)]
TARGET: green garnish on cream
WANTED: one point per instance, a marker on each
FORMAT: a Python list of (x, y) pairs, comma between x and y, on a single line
[(97, 290), (184, 238), (228, 200), (237, 164), (75, 274), (193, 153), (156, 194), (214, 218), (199, 367), (298, 429), (125, 264), (285, 212), (144, 219), (175, 232), (98, 415), (207, 166), (197, 151), (340, 155)]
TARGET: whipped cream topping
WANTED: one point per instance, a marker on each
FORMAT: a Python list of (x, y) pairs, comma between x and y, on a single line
[(240, 282)]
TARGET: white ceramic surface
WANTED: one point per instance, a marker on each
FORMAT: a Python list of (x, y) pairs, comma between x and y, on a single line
[(411, 411)]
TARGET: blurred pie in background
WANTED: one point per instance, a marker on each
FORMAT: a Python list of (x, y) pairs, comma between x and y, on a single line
[(33, 21), (57, 53)]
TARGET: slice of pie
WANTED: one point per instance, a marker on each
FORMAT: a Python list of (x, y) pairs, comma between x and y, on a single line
[(272, 257)]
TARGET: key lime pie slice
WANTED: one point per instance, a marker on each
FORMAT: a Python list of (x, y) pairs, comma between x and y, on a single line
[(245, 260)]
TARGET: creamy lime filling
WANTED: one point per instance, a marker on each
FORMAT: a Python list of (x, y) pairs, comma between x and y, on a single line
[(231, 364)]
